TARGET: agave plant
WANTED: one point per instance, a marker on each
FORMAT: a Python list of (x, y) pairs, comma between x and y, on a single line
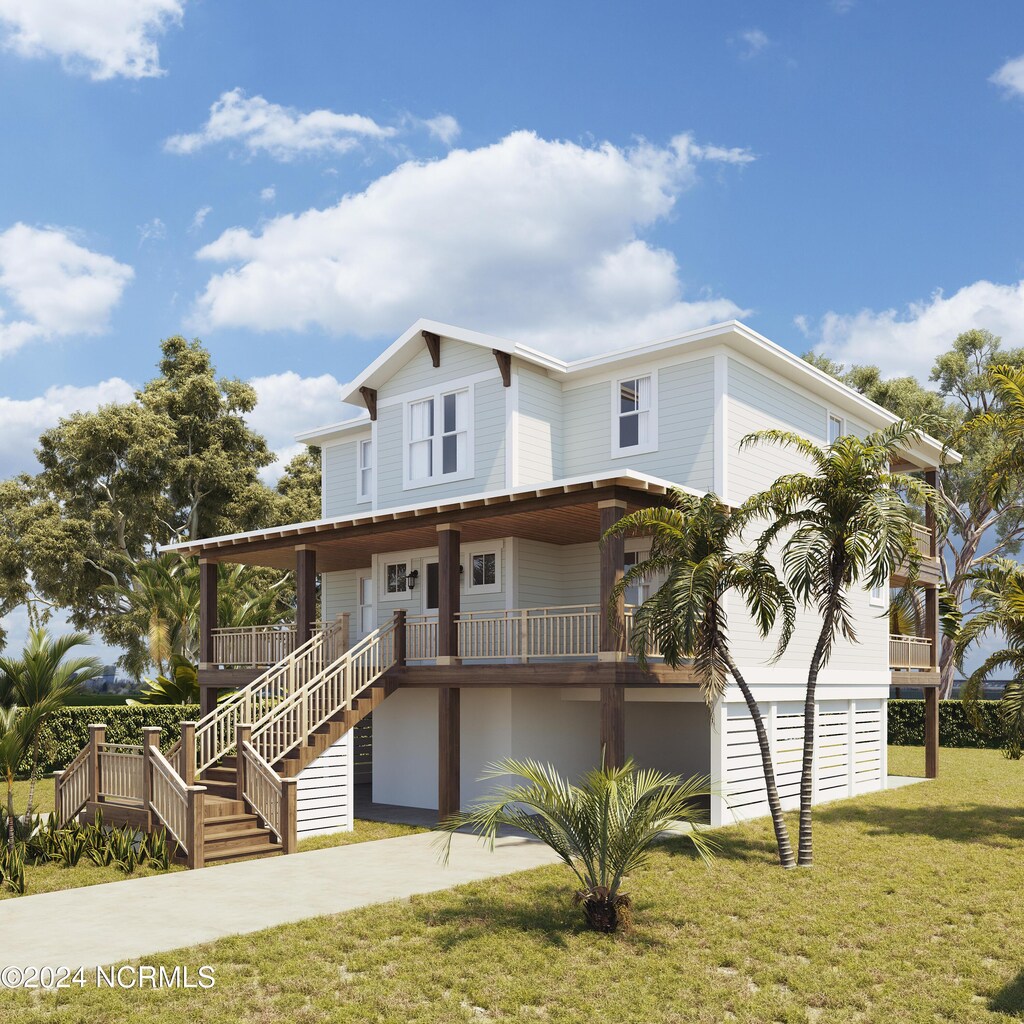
[(12, 868), (603, 828), (157, 850)]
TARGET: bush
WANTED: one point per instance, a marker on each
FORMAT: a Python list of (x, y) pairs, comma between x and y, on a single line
[(67, 730), (906, 724)]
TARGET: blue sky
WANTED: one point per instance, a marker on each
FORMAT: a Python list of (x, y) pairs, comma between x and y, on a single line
[(295, 183)]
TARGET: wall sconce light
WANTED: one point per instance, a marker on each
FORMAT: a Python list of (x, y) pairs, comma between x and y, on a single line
[(411, 578)]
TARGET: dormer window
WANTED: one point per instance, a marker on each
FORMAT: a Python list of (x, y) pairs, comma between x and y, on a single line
[(635, 425), (437, 431)]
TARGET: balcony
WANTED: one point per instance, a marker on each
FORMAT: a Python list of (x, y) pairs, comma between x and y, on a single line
[(910, 653), (254, 647)]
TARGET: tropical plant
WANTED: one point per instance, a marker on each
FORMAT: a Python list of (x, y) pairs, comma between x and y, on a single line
[(43, 679), (181, 687), (12, 868), (603, 828), (17, 728), (692, 547), (848, 523), (998, 597)]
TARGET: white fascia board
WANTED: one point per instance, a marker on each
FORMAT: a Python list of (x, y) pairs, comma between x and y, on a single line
[(320, 435)]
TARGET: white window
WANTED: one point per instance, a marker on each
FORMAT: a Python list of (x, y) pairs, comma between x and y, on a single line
[(365, 605), (364, 471), (484, 571), (877, 597), (437, 436), (395, 581), (836, 428), (641, 590), (635, 424)]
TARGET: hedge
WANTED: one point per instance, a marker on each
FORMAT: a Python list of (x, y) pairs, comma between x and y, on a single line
[(67, 730), (906, 724)]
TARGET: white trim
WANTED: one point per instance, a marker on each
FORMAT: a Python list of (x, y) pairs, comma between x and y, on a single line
[(830, 415), (720, 477), (512, 430), (375, 474), (321, 436), (879, 601), (491, 548), (651, 445), (365, 496), (403, 595), (437, 396), (323, 482), (455, 384), (511, 545)]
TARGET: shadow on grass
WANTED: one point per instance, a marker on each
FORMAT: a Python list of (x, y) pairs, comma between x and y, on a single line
[(1010, 998)]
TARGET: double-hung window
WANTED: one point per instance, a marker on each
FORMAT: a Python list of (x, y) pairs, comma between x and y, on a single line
[(364, 471), (836, 428), (437, 436), (634, 429)]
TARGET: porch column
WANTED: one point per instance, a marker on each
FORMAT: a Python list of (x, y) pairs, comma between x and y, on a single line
[(613, 726), (207, 611), (448, 592), (448, 759), (305, 593), (611, 622), (931, 477), (931, 624), (931, 732)]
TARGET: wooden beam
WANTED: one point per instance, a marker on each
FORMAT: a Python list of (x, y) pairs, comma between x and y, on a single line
[(448, 757), (931, 622), (504, 360), (613, 726), (553, 673), (400, 638), (305, 594), (433, 346), (931, 477), (370, 398), (931, 733), (448, 594), (207, 611), (611, 615)]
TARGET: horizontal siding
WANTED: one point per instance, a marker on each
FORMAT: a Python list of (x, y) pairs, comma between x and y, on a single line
[(539, 428), (457, 360), (324, 794), (339, 594), (686, 399), (551, 575), (339, 478)]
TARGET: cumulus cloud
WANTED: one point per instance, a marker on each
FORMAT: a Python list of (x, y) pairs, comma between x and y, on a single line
[(752, 41), (102, 39), (1010, 77), (528, 237), (444, 127), (907, 341), (282, 132), (56, 286)]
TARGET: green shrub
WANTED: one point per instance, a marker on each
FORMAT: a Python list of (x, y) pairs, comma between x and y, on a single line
[(67, 730), (906, 724)]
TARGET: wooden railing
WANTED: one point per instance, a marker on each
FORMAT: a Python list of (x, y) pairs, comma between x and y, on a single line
[(262, 646), (652, 649), (172, 801), (71, 788), (296, 717), (910, 652), (923, 539), (569, 631), (421, 637), (252, 704), (120, 772), (270, 796)]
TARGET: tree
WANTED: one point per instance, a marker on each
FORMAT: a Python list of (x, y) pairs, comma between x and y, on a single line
[(603, 828), (998, 594), (299, 489), (17, 727), (692, 546), (843, 525), (984, 520), (41, 682)]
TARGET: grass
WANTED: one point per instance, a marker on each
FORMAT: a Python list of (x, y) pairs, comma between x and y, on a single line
[(53, 877), (912, 913)]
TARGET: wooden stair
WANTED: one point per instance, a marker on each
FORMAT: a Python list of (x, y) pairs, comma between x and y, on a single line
[(230, 832)]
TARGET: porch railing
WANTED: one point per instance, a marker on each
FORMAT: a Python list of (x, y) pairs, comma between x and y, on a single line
[(120, 772), (923, 539), (258, 646), (910, 652), (569, 631), (421, 637)]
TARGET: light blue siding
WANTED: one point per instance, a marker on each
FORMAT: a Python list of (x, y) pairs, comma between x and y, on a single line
[(539, 427), (339, 482), (457, 360)]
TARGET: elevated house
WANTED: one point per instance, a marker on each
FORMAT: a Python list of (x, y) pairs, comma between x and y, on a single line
[(464, 596)]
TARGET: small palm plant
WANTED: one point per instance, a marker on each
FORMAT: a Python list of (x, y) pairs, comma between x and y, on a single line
[(693, 545), (603, 827), (17, 728)]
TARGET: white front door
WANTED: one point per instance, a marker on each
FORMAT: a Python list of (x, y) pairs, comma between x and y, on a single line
[(366, 615)]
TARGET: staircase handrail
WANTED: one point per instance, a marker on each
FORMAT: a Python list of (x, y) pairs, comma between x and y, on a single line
[(331, 691)]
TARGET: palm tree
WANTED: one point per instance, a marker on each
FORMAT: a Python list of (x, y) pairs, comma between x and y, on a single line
[(180, 687), (692, 546), (846, 524), (18, 726), (998, 592), (603, 828), (41, 681)]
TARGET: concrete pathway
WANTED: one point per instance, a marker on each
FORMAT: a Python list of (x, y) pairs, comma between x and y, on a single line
[(103, 924)]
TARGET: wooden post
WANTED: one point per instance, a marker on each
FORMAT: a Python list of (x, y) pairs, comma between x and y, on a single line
[(289, 815), (613, 726), (97, 736), (194, 827), (611, 619), (345, 633), (207, 612), (931, 732), (931, 624), (208, 699), (448, 757), (400, 638), (931, 477), (187, 760), (305, 593), (150, 739), (448, 594), (243, 734)]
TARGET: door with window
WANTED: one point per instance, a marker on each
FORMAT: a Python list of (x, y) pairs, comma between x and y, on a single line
[(430, 587)]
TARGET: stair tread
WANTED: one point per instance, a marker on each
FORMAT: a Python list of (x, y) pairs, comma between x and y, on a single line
[(225, 857), (220, 820), (238, 835)]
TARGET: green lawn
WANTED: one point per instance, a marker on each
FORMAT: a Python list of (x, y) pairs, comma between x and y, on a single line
[(912, 914)]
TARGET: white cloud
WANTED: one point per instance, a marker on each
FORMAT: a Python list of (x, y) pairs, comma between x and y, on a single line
[(289, 403), (907, 341), (200, 217), (268, 194), (152, 231), (444, 127), (528, 237), (104, 39), (1011, 77), (56, 286), (23, 420), (754, 41), (282, 132)]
